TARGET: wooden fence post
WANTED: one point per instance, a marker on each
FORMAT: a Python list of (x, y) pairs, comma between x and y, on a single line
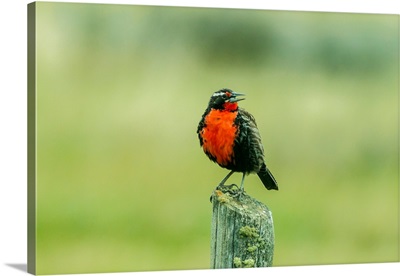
[(242, 231)]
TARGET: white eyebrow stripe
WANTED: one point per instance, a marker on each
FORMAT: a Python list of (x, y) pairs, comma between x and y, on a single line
[(216, 94)]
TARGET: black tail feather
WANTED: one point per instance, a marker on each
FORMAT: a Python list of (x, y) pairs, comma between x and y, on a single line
[(267, 178)]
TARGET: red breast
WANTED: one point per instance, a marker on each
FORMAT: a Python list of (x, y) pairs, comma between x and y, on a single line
[(219, 134)]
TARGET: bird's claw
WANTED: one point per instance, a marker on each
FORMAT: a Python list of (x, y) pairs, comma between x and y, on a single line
[(233, 190)]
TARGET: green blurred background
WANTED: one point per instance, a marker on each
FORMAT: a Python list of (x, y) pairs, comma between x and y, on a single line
[(123, 184)]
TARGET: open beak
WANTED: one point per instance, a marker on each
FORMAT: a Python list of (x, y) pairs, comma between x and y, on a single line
[(233, 98)]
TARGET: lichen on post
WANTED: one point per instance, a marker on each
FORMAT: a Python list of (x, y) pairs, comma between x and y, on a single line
[(242, 230)]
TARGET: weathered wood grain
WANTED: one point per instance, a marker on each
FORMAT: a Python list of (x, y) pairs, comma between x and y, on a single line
[(242, 231)]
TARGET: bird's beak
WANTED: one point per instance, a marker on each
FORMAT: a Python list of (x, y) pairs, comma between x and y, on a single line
[(233, 99)]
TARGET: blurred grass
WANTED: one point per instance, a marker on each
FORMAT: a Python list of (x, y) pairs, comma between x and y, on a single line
[(122, 182)]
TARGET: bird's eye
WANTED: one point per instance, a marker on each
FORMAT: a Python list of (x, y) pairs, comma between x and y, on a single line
[(226, 95)]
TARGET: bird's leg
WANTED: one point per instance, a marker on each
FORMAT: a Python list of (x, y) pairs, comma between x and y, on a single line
[(227, 188), (240, 191), (242, 184), (225, 179), (237, 193), (221, 185)]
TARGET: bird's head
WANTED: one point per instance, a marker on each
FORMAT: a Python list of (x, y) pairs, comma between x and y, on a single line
[(225, 99)]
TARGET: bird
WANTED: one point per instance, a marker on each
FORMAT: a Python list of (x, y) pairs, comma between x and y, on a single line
[(229, 137)]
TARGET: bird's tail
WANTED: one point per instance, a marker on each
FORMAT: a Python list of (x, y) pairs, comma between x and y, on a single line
[(267, 178)]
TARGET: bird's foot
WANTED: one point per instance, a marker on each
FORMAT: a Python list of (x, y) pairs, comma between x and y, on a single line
[(233, 190)]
